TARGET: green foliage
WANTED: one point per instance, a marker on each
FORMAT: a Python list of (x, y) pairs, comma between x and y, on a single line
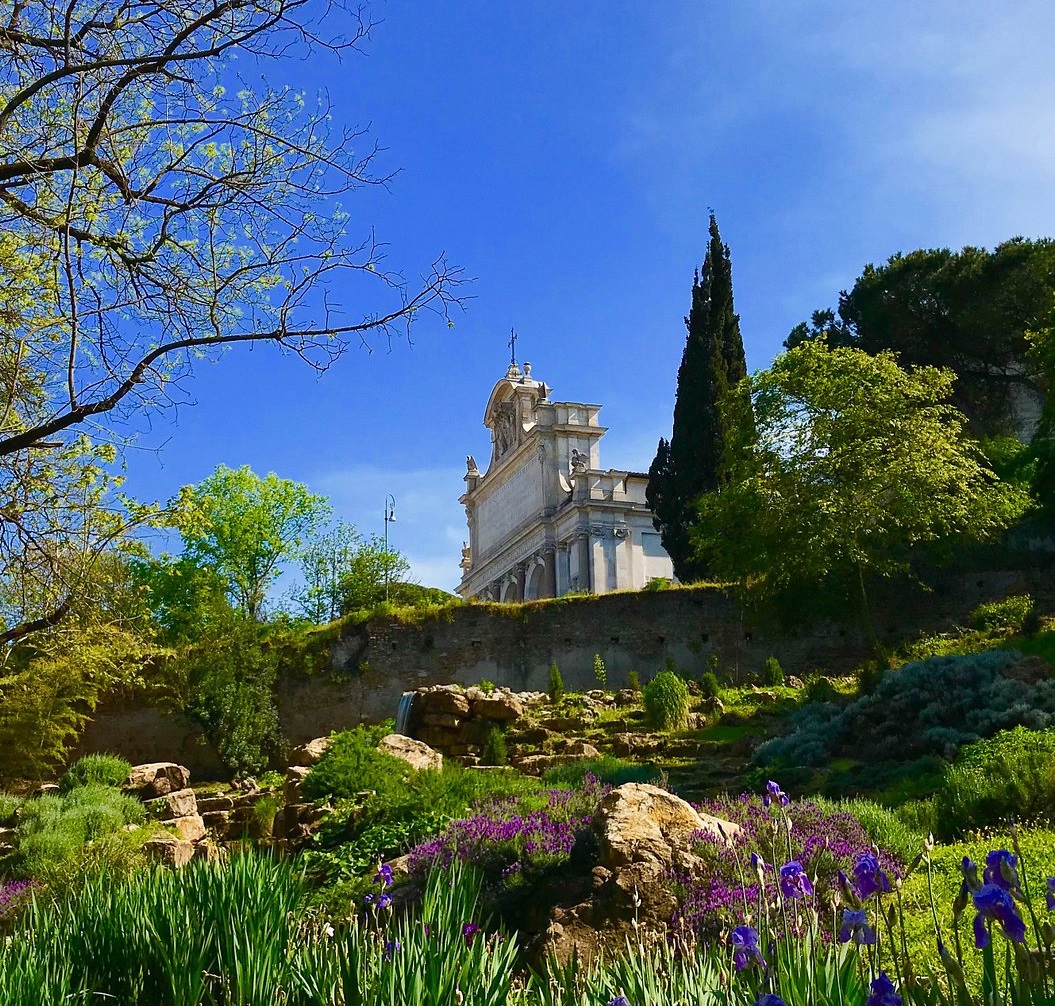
[(52, 830), (608, 769), (772, 672), (352, 765), (229, 689), (970, 311), (858, 463), (666, 702), (710, 687), (243, 527), (1008, 615), (9, 804), (186, 601), (96, 769), (486, 686), (658, 583), (885, 827), (556, 684), (600, 672), (633, 682), (1010, 776), (931, 707), (704, 438), (495, 750)]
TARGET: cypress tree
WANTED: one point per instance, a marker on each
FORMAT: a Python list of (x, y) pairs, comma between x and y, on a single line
[(695, 458)]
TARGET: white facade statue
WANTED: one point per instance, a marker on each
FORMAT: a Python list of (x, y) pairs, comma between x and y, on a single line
[(544, 519)]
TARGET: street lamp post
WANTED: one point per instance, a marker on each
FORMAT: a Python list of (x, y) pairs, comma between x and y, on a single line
[(390, 516)]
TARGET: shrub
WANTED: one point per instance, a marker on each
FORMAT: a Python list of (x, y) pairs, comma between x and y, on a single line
[(495, 751), (53, 829), (95, 769), (1009, 775), (666, 702), (633, 682), (608, 769), (556, 684), (9, 804), (772, 672), (1008, 615), (931, 707), (709, 685), (352, 765), (600, 672), (487, 686)]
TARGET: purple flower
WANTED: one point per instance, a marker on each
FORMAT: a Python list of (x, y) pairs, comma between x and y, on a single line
[(855, 927), (469, 930), (994, 903), (1051, 894), (883, 993), (392, 947), (774, 793), (769, 1000), (384, 875), (869, 877), (384, 901), (1000, 869), (619, 1000), (793, 880), (744, 941), (758, 862), (368, 899)]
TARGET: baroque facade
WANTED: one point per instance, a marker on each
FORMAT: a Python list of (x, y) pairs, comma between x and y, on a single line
[(544, 519)]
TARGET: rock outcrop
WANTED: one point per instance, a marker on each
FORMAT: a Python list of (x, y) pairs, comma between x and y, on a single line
[(417, 754)]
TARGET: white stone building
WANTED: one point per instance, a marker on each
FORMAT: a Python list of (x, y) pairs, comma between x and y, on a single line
[(544, 519)]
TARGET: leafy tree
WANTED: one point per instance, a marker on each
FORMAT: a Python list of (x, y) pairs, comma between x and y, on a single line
[(1042, 353), (186, 601), (369, 568), (969, 311), (242, 527), (857, 461), (695, 458), (151, 215)]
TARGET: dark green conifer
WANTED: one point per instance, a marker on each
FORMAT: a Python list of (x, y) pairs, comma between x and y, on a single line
[(693, 461)]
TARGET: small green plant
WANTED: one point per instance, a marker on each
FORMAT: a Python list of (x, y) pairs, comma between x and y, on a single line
[(97, 769), (487, 686), (772, 672), (658, 583), (556, 684), (9, 804), (495, 750), (666, 702), (710, 687), (1008, 615), (600, 672), (633, 682), (353, 765)]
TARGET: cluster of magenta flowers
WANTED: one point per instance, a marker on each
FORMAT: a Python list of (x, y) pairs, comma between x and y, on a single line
[(502, 838), (813, 852)]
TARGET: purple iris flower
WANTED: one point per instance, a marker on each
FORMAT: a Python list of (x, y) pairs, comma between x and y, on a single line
[(1001, 869), (469, 930), (392, 947), (619, 1000), (793, 880), (1051, 894), (773, 794), (869, 876), (992, 902), (769, 1000), (368, 899), (855, 927), (883, 993), (744, 941), (384, 875), (757, 862), (384, 901)]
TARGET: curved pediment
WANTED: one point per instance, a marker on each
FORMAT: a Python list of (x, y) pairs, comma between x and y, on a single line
[(510, 410)]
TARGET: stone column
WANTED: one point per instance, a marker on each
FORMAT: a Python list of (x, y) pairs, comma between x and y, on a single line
[(585, 560)]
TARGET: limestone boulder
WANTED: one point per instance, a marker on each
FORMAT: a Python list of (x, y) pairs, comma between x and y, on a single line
[(180, 803), (171, 852), (639, 823), (156, 779), (311, 753), (499, 705), (417, 754), (439, 699), (190, 828), (295, 775), (213, 804)]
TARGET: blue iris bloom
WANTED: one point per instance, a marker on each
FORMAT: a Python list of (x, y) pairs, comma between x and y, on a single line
[(775, 794), (1051, 894), (994, 903), (619, 1000), (869, 876), (793, 880), (855, 927), (1001, 868), (744, 941), (769, 1000), (883, 993)]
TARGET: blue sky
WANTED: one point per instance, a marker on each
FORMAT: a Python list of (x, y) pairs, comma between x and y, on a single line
[(566, 156)]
